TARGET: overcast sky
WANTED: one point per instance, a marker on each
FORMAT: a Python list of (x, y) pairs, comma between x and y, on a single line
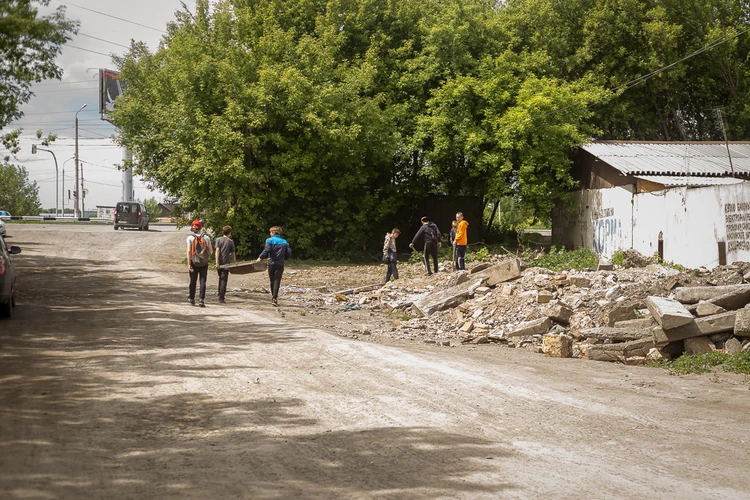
[(56, 102)]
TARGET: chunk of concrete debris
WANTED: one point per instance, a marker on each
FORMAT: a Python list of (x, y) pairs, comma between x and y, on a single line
[(614, 292), (693, 294), (604, 264), (579, 281), (655, 354), (718, 323), (639, 323), (544, 297), (616, 352), (742, 323), (667, 312), (732, 346), (699, 345), (480, 267), (482, 290), (559, 312), (536, 327), (622, 311), (733, 299), (506, 270), (431, 302), (705, 308), (557, 346), (616, 334)]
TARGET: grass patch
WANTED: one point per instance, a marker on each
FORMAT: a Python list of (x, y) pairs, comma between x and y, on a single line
[(704, 363), (560, 259)]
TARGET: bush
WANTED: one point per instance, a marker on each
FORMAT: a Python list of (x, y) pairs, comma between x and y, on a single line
[(560, 259)]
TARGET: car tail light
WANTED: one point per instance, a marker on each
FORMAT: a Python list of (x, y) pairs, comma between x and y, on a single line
[(115, 213)]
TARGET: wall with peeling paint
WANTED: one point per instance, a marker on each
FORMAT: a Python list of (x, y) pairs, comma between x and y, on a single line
[(692, 223)]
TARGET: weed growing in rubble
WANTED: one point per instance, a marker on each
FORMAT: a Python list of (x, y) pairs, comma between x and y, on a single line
[(738, 362), (478, 255), (618, 258), (697, 363), (560, 259)]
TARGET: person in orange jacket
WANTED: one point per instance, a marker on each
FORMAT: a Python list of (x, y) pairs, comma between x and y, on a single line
[(461, 241)]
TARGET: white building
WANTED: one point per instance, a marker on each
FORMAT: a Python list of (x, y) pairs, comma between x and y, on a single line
[(685, 201)]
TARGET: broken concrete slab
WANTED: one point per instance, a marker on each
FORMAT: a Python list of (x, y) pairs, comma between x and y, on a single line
[(732, 346), (616, 352), (579, 281), (559, 312), (693, 294), (742, 323), (668, 313), (616, 334), (699, 345), (535, 327), (544, 297), (431, 302), (705, 308), (718, 323), (506, 270), (557, 346), (480, 267), (641, 323), (734, 299), (623, 311)]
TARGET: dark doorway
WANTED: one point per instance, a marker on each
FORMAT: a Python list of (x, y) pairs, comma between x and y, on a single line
[(722, 253)]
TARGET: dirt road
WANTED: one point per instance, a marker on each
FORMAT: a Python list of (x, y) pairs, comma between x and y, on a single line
[(112, 386)]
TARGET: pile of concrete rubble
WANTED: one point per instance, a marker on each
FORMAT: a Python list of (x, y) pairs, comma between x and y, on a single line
[(628, 315)]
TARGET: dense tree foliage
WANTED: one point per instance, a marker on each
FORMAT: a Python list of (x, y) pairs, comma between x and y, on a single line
[(18, 196), (327, 116), (29, 44)]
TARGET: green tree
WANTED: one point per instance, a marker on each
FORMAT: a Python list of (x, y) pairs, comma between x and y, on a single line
[(18, 195), (29, 45), (152, 208)]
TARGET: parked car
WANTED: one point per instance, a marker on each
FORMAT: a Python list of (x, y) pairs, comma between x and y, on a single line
[(7, 279), (4, 215), (131, 214), (2, 229)]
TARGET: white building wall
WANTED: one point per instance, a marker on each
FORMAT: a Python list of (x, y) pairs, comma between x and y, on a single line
[(691, 222)]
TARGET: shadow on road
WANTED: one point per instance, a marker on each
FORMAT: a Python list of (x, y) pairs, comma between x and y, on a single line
[(98, 377)]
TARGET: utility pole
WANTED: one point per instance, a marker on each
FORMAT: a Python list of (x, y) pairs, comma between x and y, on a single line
[(76, 193), (720, 126)]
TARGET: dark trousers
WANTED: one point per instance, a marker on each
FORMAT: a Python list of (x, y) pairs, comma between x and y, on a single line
[(392, 270), (274, 275), (460, 255), (223, 280), (198, 272), (431, 250)]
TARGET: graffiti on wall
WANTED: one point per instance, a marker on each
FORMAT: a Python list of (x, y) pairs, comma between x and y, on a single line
[(737, 219), (607, 232)]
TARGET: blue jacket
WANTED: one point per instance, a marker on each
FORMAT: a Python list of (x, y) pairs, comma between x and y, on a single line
[(277, 250)]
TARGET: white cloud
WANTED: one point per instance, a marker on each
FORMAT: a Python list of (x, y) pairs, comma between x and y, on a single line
[(56, 102)]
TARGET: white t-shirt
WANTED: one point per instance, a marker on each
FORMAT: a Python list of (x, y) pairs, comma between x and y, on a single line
[(192, 237)]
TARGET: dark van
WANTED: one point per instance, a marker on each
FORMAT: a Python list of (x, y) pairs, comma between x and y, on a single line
[(131, 214)]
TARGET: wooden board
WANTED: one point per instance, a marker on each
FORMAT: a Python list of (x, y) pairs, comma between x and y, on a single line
[(245, 267)]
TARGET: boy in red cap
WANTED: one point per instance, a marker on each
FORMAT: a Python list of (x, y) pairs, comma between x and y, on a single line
[(199, 251)]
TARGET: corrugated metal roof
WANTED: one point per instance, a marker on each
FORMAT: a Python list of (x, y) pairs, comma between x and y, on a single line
[(674, 159), (692, 181)]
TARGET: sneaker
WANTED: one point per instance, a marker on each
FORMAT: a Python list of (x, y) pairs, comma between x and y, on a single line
[(191, 302), (275, 302), (222, 301), (201, 304), (428, 274)]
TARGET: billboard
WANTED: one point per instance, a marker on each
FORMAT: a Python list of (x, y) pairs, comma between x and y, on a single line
[(110, 88)]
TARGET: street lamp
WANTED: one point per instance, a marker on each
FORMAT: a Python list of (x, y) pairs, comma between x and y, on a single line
[(34, 149), (75, 192)]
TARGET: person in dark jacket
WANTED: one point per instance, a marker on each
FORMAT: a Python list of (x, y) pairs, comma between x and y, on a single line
[(431, 234), (277, 251)]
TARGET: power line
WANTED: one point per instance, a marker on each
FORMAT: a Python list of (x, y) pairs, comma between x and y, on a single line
[(110, 15), (66, 90), (61, 83), (103, 40), (88, 50)]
